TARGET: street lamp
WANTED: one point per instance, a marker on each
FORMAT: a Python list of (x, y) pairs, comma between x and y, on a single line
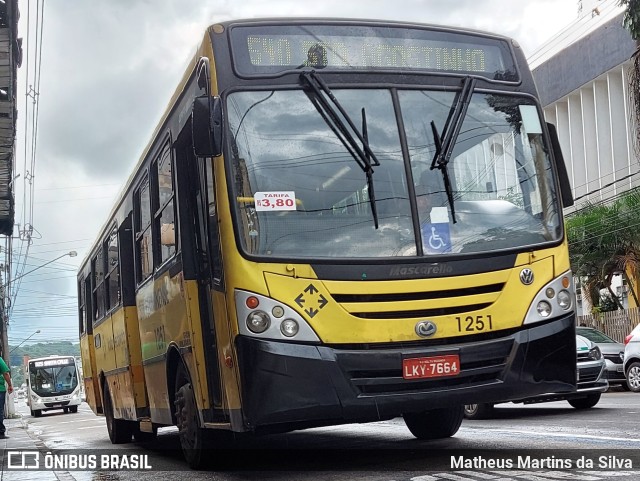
[(24, 340), (70, 254)]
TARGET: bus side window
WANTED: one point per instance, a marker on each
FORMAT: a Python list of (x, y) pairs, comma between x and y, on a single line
[(164, 216), (144, 247), (88, 302), (97, 268), (82, 310), (112, 282)]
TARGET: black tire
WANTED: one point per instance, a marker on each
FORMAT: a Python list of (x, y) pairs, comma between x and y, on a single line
[(435, 423), (625, 386), (192, 436), (120, 431), (65, 410), (633, 376), (478, 411), (36, 413), (585, 402), (73, 409)]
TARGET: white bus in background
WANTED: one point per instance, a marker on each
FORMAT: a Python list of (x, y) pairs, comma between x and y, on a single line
[(53, 383)]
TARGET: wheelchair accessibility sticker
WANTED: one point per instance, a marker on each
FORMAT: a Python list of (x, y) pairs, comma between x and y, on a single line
[(436, 238)]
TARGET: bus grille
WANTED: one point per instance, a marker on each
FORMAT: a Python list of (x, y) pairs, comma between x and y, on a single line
[(423, 304)]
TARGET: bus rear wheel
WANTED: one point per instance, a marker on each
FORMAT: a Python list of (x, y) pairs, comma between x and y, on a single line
[(119, 430), (435, 423), (192, 436)]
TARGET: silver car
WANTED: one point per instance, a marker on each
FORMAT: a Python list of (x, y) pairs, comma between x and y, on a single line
[(591, 383), (631, 363), (613, 353)]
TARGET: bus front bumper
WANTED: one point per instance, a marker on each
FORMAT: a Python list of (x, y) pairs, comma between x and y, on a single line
[(289, 386)]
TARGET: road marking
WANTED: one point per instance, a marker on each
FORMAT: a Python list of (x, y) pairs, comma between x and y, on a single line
[(596, 437), (525, 475)]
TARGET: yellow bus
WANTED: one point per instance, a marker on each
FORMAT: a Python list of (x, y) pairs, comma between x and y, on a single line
[(334, 221)]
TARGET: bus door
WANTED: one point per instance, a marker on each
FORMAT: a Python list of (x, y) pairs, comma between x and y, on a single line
[(196, 179)]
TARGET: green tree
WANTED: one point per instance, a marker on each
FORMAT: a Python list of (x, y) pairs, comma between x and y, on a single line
[(604, 240), (42, 349)]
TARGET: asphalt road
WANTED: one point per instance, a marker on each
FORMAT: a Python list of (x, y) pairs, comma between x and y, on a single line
[(535, 442)]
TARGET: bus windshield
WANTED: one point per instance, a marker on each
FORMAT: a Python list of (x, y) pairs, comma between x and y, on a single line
[(299, 193), (53, 378)]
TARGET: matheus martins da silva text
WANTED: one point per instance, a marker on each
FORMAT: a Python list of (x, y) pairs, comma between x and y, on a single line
[(547, 462)]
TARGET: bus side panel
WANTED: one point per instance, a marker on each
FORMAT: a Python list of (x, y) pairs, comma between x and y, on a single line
[(121, 388), (104, 348), (196, 363), (226, 350), (123, 385), (90, 374), (162, 325), (134, 350)]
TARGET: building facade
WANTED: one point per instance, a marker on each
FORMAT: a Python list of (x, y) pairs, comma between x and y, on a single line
[(584, 88)]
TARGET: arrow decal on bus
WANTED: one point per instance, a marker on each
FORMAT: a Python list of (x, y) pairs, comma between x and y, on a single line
[(316, 300)]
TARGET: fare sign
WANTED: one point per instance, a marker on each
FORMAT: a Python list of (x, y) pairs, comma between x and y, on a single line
[(428, 367)]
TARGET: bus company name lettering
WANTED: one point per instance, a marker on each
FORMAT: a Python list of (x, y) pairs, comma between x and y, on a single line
[(437, 269), (119, 340)]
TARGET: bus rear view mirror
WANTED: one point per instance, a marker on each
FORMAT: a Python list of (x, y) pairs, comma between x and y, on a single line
[(563, 176), (206, 126)]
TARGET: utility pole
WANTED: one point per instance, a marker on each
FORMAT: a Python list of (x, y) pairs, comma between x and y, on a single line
[(9, 408)]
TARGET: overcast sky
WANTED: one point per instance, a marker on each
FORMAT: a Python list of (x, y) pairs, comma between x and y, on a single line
[(108, 68)]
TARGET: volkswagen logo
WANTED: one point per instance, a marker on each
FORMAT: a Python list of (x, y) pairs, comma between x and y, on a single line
[(526, 276), (426, 328)]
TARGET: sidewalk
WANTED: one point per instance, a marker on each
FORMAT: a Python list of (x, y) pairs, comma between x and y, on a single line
[(20, 439)]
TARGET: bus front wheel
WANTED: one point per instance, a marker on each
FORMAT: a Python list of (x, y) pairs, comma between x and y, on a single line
[(435, 423), (192, 436)]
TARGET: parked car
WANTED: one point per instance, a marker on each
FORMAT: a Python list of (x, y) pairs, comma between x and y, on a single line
[(591, 383), (613, 353), (631, 362)]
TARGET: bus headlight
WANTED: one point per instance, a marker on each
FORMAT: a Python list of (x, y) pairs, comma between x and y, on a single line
[(553, 300), (289, 327), (564, 299), (544, 308), (269, 318), (258, 321)]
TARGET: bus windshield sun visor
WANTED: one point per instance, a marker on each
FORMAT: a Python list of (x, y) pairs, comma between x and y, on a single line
[(331, 111), (446, 141)]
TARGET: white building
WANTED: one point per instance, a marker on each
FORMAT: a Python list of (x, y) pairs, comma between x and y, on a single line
[(582, 78)]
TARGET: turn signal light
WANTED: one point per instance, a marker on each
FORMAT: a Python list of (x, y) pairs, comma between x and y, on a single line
[(252, 302)]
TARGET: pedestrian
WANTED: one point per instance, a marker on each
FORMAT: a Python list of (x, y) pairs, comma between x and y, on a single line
[(5, 387)]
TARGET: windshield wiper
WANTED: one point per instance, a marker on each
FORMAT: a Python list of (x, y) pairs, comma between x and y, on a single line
[(331, 111), (446, 141)]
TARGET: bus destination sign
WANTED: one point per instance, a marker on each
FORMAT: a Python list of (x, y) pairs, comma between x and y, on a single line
[(267, 49), (53, 362)]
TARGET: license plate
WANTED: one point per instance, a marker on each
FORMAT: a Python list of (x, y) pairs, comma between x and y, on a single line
[(429, 367)]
